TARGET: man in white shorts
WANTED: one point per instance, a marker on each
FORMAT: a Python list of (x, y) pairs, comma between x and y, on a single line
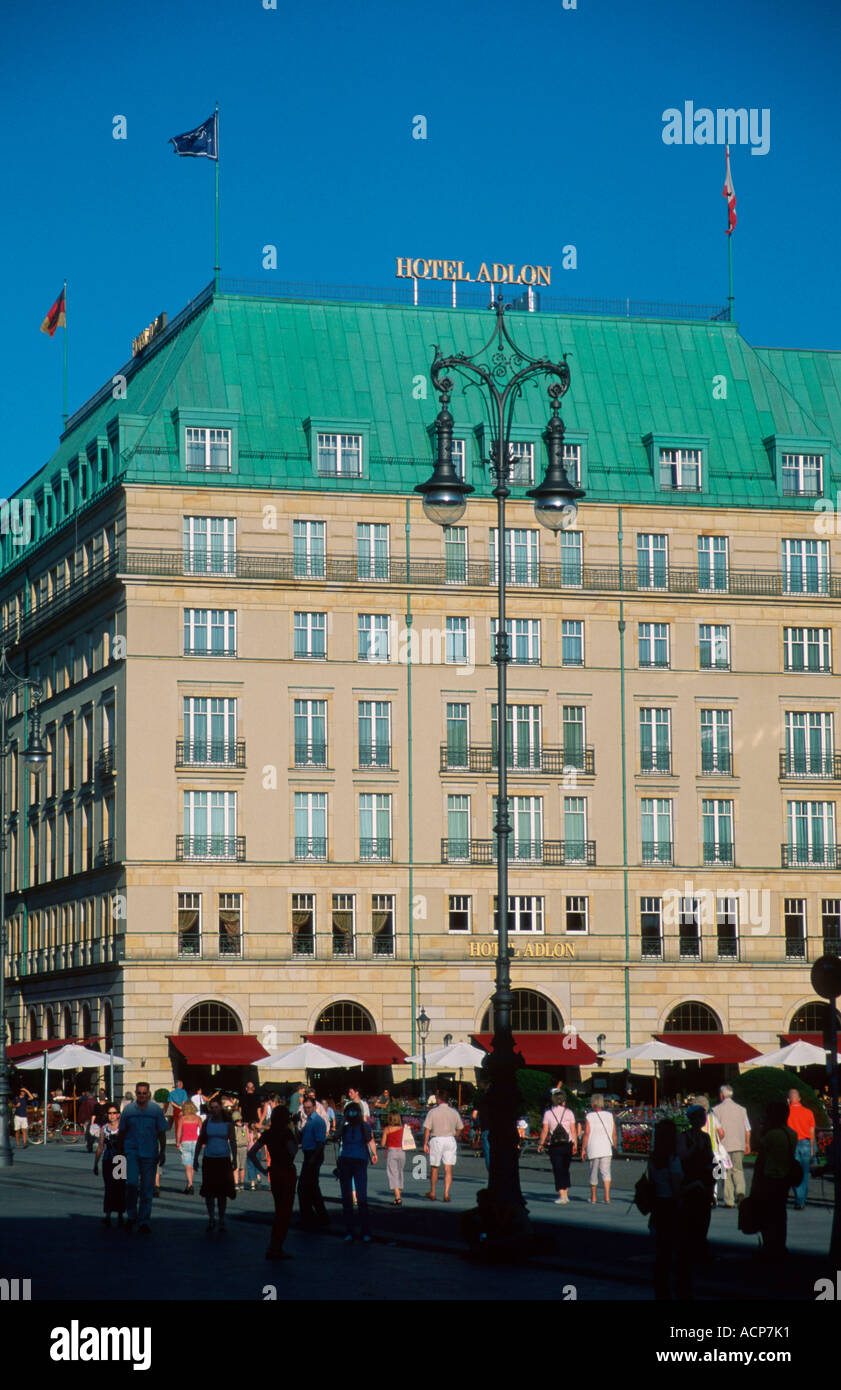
[(441, 1129)]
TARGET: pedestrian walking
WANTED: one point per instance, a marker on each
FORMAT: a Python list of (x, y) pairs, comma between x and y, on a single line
[(84, 1114), (441, 1129), (733, 1128), (200, 1102), (695, 1152), (313, 1138), (296, 1100), (802, 1121), (243, 1136), (178, 1098), (395, 1158), (665, 1172), (252, 1171), (561, 1129), (187, 1128), (354, 1098), (21, 1117), (218, 1140), (108, 1148), (356, 1145), (598, 1144), (281, 1144), (772, 1177), (250, 1104), (143, 1134)]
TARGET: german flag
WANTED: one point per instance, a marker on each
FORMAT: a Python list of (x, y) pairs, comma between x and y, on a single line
[(56, 318)]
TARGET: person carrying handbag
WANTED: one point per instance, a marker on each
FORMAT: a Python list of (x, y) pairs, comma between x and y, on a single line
[(598, 1145), (561, 1127)]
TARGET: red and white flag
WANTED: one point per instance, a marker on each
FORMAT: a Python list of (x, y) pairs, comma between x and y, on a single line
[(729, 193)]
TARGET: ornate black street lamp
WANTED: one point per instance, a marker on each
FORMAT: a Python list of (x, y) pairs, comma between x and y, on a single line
[(501, 372), (423, 1025), (35, 757)]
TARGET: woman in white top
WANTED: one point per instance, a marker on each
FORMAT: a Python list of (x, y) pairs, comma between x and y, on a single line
[(598, 1145), (560, 1125)]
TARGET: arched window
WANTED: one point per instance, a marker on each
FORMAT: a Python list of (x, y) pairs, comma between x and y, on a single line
[(107, 1028), (33, 1026), (811, 1018), (345, 1017), (210, 1017), (530, 1013), (49, 1023), (67, 1021), (86, 1022), (692, 1017)]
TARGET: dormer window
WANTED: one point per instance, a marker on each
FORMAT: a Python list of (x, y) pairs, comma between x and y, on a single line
[(802, 475), (208, 450), (680, 470)]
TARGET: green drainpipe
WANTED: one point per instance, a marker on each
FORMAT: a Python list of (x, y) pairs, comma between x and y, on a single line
[(411, 801), (627, 967)]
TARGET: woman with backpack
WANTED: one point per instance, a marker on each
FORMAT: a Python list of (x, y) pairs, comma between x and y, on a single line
[(562, 1130), (356, 1144)]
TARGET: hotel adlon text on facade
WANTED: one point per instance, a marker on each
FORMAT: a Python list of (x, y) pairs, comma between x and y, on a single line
[(270, 704)]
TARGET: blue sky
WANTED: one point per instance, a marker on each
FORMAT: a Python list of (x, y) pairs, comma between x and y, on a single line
[(544, 130)]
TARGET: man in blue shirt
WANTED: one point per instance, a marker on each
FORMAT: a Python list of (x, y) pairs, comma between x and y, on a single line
[(313, 1138), (143, 1133), (178, 1098)]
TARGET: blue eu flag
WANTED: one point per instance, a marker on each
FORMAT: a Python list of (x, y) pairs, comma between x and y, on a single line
[(201, 142)]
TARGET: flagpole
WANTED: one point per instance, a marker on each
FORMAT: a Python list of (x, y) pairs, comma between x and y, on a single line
[(64, 384), (216, 267), (730, 278)]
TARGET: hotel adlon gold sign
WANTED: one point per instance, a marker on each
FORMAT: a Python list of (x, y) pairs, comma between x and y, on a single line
[(489, 272), (540, 950)]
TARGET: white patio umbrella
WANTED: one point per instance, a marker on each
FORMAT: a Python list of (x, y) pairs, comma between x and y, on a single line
[(456, 1056), (70, 1058), (796, 1054), (306, 1056), (656, 1051)]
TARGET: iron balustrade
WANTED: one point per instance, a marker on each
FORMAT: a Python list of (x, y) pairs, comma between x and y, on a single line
[(312, 753), (719, 854), (796, 948), (689, 946), (311, 847), (550, 853), (224, 847), (657, 851), (189, 944), (205, 752), (716, 761), (105, 852), (192, 650), (230, 945), (374, 754), (344, 946), (303, 944), (383, 945), (377, 847), (106, 763), (483, 757), (810, 856), (656, 760), (806, 764)]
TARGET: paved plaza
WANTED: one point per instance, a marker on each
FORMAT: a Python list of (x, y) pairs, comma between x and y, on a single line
[(50, 1232)]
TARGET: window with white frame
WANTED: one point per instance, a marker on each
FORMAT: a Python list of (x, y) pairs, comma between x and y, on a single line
[(375, 826), (230, 924), (309, 555), (208, 450), (458, 829), (310, 731), (802, 475), (811, 833), (458, 458), (458, 735), (573, 734), (522, 555), (572, 642), (525, 914), (717, 830), (809, 744), (805, 566), (652, 561), (372, 550), (310, 825), (210, 632), (343, 923), (455, 554), (523, 736), (653, 640), (656, 816), (382, 924), (655, 740), (526, 838), (807, 648), (571, 570), (303, 924), (522, 463), (523, 640), (727, 927), (459, 912), (572, 462), (717, 741), (189, 924), (340, 455), (372, 637), (714, 647), (374, 727), (577, 915), (210, 824), (680, 470), (794, 925), (310, 636), (712, 564), (575, 829), (210, 545), (457, 646), (651, 928), (210, 730)]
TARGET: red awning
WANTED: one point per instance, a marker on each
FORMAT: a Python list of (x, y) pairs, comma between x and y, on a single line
[(816, 1039), (719, 1047), (18, 1052), (547, 1049), (374, 1049), (218, 1049)]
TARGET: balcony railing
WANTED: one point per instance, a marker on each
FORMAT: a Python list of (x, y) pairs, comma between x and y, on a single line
[(657, 851), (552, 762), (189, 944), (550, 853), (376, 847), (375, 755), (823, 765), (106, 763), (716, 761), (190, 649), (810, 856), (796, 948), (210, 847), (656, 760), (210, 752), (310, 754), (382, 945), (311, 847), (689, 946), (303, 944), (344, 946), (105, 853), (719, 853), (230, 944)]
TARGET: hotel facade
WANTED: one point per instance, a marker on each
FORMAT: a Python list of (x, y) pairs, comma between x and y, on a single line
[(270, 703)]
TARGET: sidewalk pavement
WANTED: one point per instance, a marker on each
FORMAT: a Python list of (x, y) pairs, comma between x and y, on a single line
[(51, 1232)]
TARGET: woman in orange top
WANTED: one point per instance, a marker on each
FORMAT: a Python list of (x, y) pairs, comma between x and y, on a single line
[(392, 1142), (187, 1128)]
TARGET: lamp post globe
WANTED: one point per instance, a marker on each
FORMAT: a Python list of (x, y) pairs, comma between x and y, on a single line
[(35, 753)]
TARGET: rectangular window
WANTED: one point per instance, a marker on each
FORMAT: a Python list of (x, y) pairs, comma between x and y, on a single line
[(210, 545), (805, 567), (653, 640), (210, 825), (794, 926), (372, 551), (310, 825), (375, 826), (523, 736), (69, 843), (208, 450), (310, 636), (340, 455), (652, 562), (712, 564), (655, 740), (572, 642), (717, 831), (656, 830), (573, 736), (372, 640), (458, 735), (69, 741), (575, 830), (374, 723), (689, 929), (714, 647), (522, 556), (459, 912), (525, 914), (189, 924), (680, 470), (458, 829), (651, 928), (457, 646), (382, 924), (309, 553), (716, 741), (727, 927), (811, 833), (210, 731), (230, 924), (572, 462), (210, 632), (571, 568), (522, 463), (807, 648), (831, 926), (526, 839), (455, 554), (87, 745), (523, 640), (303, 924), (343, 923), (310, 718), (809, 744), (577, 915), (458, 458), (802, 475)]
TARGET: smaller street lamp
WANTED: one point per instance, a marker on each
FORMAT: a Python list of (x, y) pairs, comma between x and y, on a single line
[(424, 1025)]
